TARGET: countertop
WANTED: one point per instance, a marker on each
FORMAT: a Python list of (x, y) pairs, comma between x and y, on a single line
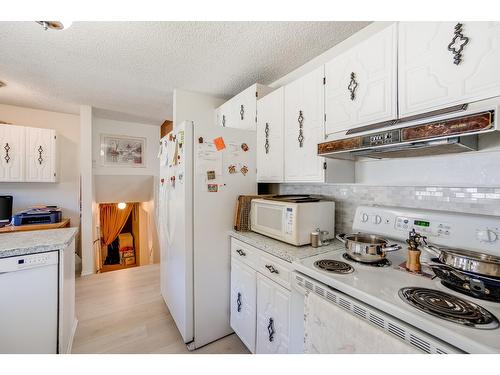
[(283, 250), (32, 242)]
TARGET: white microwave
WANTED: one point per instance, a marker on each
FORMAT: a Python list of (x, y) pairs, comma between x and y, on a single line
[(291, 222)]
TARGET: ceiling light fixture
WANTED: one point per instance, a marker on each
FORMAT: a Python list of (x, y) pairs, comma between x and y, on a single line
[(122, 205), (54, 25)]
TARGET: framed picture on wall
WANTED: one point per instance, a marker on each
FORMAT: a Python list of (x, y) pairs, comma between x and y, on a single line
[(123, 151)]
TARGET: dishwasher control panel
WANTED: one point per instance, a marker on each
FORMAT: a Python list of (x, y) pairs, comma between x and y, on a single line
[(18, 263)]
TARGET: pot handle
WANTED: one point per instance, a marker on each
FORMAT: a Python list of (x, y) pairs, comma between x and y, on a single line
[(446, 268), (394, 247), (341, 237), (434, 250)]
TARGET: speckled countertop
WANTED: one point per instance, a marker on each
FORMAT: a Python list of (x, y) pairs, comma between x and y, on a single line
[(283, 250), (37, 241)]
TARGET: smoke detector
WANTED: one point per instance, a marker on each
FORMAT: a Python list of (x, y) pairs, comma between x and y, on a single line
[(54, 25)]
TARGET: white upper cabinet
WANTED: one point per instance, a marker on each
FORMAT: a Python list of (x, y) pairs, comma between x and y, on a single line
[(442, 64), (12, 142), (270, 121), (41, 158), (361, 84), (240, 111), (304, 128)]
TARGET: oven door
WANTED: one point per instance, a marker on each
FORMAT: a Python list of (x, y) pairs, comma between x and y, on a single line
[(273, 219)]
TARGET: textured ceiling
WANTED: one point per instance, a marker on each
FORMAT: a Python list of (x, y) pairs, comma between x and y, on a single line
[(128, 70)]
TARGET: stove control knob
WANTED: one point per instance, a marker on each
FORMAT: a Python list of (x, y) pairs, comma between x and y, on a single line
[(364, 218), (486, 235), (376, 219)]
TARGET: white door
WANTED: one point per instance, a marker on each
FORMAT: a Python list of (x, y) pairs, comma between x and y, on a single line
[(12, 144), (304, 128), (243, 303), (244, 109), (270, 161), (273, 317), (442, 64), (178, 289), (224, 112), (361, 86), (40, 155)]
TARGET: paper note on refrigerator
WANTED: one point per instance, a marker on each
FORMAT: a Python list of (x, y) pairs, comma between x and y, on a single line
[(208, 159)]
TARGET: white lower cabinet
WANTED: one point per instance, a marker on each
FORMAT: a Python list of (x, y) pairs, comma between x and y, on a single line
[(243, 302), (260, 305), (273, 317)]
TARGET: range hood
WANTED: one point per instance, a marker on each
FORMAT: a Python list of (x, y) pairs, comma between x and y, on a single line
[(431, 134)]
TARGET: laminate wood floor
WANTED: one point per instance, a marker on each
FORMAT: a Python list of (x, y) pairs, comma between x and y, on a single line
[(123, 312)]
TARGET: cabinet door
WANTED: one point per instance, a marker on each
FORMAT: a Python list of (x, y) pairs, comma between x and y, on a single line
[(224, 114), (40, 155), (273, 317), (12, 142), (243, 303), (304, 128), (244, 109), (432, 77), (270, 162), (361, 86)]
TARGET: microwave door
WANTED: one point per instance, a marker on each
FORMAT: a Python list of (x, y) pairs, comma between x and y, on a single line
[(270, 220)]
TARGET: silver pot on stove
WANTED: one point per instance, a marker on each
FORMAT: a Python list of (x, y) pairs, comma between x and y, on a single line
[(366, 248)]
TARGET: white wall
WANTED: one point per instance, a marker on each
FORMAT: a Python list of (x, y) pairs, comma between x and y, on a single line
[(150, 132), (65, 193)]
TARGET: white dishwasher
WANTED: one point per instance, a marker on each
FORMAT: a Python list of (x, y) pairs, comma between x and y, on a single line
[(29, 303)]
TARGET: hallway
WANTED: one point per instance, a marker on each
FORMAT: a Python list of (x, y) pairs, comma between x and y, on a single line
[(123, 312)]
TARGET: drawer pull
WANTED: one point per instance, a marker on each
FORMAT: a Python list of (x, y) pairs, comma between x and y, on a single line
[(238, 302), (271, 269), (241, 253), (270, 329)]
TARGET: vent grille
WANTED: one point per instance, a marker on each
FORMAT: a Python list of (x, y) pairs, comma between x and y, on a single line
[(396, 331), (344, 303), (377, 320), (420, 343), (402, 331), (359, 311)]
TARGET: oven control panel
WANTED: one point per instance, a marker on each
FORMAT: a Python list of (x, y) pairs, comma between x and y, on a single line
[(423, 226), (472, 232)]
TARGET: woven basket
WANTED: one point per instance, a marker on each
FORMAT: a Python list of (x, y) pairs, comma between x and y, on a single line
[(242, 215)]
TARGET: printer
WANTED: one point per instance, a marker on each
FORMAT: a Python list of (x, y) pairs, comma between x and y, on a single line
[(38, 215)]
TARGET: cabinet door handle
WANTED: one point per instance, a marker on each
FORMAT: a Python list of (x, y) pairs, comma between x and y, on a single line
[(270, 329), (300, 138), (266, 131), (272, 269), (223, 120), (353, 85), (40, 150), (458, 42), (242, 112), (238, 302), (241, 253), (7, 149)]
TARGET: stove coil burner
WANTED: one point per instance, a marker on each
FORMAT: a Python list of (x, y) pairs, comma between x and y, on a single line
[(449, 307), (381, 263), (334, 266)]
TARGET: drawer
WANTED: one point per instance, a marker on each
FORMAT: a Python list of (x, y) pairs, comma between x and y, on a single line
[(244, 253), (276, 269)]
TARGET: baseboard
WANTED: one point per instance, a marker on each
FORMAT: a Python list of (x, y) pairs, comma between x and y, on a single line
[(72, 337)]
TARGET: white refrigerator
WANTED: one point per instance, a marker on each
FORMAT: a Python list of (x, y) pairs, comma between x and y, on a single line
[(203, 170)]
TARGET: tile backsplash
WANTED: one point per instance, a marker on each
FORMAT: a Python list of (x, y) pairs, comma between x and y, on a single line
[(480, 200)]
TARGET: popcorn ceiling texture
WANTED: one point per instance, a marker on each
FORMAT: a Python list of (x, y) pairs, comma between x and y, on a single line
[(347, 198), (133, 67)]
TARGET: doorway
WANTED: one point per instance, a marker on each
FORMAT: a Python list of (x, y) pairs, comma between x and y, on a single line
[(120, 245)]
